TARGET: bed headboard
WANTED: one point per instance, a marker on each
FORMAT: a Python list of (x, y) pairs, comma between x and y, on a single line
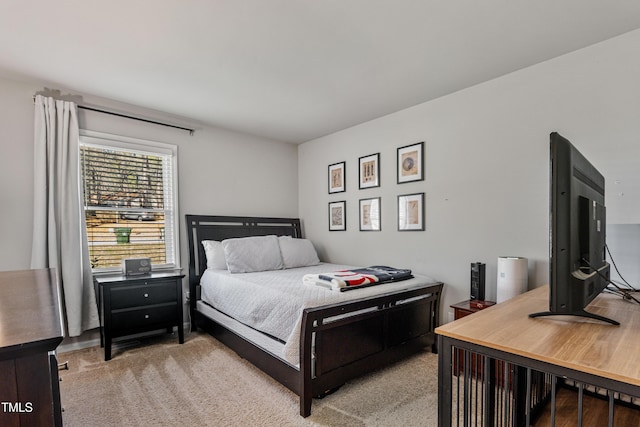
[(208, 227)]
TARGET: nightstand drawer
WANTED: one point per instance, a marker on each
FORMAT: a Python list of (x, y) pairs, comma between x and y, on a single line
[(141, 295), (142, 317)]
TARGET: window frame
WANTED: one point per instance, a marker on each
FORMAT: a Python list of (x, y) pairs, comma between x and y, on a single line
[(100, 140)]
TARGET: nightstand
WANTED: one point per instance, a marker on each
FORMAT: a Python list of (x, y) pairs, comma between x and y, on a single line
[(468, 307), (460, 310), (131, 305)]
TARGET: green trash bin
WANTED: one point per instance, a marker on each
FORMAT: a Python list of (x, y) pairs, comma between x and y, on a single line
[(122, 234)]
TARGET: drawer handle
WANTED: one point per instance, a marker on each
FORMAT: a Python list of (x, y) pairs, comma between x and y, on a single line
[(146, 316), (146, 295)]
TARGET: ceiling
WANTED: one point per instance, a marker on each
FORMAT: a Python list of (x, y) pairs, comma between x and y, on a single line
[(291, 70)]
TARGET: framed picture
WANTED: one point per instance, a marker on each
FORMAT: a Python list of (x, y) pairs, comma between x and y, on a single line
[(370, 214), (411, 212), (336, 177), (410, 160), (369, 171), (338, 216)]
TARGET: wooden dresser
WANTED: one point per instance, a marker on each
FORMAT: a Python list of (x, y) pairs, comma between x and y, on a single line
[(30, 331)]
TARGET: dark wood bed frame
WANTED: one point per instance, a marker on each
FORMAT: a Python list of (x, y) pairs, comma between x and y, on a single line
[(371, 333)]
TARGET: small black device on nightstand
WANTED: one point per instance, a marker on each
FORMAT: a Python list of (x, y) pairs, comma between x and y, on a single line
[(136, 266), (477, 280)]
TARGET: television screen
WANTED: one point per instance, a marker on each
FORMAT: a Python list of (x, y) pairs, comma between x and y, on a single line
[(578, 270)]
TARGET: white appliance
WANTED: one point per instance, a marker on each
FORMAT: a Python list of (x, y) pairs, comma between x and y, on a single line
[(512, 277)]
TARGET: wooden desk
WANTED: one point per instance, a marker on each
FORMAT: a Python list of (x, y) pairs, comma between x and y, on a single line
[(582, 349)]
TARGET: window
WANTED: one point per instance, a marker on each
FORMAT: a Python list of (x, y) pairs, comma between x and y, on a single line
[(129, 195)]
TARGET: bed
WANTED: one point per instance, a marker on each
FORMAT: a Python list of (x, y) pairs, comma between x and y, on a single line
[(333, 337)]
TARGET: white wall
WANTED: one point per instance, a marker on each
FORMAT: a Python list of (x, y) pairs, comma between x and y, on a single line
[(486, 179), (16, 174), (486, 167), (624, 243), (219, 171)]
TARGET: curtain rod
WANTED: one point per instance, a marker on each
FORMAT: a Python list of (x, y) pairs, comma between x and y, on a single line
[(135, 118), (126, 116)]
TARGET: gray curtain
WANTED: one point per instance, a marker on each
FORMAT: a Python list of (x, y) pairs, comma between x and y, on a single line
[(58, 220)]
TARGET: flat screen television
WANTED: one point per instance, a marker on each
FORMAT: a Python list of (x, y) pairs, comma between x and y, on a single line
[(578, 269)]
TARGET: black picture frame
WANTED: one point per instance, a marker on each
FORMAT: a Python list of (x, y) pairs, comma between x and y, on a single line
[(411, 212), (370, 214), (338, 216), (369, 171), (410, 163), (336, 177)]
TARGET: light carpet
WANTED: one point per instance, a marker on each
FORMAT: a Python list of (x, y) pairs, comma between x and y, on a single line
[(203, 383)]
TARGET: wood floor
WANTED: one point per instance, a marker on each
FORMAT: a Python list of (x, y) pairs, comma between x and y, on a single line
[(595, 412)]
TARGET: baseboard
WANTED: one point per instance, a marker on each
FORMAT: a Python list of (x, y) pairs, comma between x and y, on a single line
[(78, 345)]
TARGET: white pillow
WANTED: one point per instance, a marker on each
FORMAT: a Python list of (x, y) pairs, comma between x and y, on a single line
[(249, 254), (215, 254), (297, 252)]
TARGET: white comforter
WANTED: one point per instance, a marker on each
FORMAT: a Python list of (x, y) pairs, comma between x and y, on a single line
[(272, 301)]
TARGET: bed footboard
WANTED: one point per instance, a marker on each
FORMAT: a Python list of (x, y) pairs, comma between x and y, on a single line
[(362, 336)]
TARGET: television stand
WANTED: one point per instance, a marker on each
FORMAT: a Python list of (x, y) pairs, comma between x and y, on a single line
[(581, 313)]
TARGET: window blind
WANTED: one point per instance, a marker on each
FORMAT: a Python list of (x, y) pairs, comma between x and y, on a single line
[(129, 205)]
